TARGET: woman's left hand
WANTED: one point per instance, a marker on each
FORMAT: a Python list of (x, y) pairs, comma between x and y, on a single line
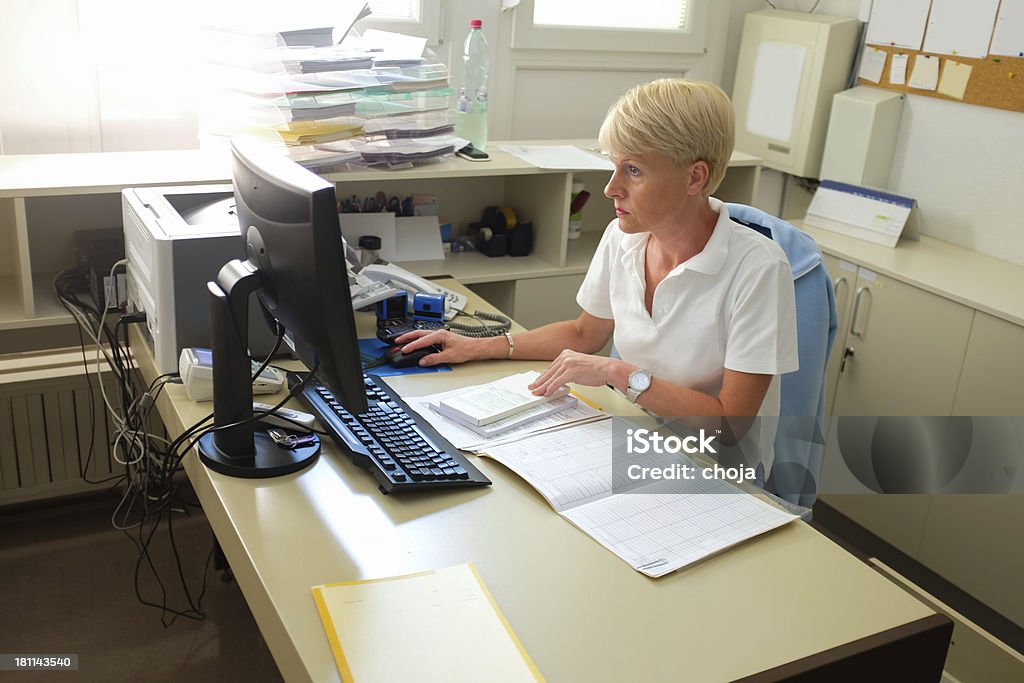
[(572, 366)]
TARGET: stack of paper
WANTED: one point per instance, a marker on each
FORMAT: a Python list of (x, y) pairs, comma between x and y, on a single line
[(301, 86), (561, 412), (488, 403)]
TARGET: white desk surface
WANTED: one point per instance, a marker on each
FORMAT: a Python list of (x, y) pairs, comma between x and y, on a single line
[(581, 612), (967, 277)]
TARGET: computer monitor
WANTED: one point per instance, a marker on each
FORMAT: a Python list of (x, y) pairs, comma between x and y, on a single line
[(294, 261)]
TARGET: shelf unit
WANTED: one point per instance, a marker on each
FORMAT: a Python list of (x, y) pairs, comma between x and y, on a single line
[(44, 199)]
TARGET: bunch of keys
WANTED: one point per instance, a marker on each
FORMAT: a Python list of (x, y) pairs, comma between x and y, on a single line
[(290, 441)]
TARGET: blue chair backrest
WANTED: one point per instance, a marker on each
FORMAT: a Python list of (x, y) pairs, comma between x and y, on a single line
[(799, 442)]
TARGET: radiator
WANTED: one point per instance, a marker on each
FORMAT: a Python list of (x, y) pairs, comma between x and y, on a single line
[(46, 428)]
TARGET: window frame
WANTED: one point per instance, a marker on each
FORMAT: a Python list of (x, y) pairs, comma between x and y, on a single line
[(527, 35), (428, 26)]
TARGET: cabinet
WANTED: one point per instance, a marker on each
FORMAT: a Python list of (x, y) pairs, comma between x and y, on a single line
[(937, 331), (898, 352)]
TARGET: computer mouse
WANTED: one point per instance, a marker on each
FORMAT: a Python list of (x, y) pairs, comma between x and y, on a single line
[(397, 359)]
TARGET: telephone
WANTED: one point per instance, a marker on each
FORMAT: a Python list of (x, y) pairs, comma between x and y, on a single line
[(395, 276)]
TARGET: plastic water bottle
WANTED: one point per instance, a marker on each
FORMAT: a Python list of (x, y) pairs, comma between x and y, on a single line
[(471, 116)]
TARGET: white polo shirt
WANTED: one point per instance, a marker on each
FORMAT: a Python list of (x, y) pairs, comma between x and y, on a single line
[(730, 306)]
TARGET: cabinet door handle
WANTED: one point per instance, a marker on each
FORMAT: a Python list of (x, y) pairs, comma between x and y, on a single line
[(856, 311), (840, 281), (847, 354)]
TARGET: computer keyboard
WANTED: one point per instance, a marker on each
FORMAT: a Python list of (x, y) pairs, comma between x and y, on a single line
[(401, 451)]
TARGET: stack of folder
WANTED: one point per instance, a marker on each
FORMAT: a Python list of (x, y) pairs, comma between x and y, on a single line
[(309, 85)]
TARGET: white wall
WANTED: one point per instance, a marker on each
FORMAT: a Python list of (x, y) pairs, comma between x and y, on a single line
[(965, 166), (962, 163)]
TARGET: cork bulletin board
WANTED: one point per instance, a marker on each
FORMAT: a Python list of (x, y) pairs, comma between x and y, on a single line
[(970, 50), (995, 81)]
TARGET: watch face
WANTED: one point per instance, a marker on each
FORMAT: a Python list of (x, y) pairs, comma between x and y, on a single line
[(640, 380)]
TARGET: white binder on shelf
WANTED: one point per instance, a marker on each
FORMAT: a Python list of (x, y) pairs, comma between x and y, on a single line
[(870, 215)]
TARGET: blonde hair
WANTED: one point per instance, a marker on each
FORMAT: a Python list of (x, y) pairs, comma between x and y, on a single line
[(688, 120)]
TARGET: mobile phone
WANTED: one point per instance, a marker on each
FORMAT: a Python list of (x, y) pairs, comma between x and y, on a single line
[(471, 153)]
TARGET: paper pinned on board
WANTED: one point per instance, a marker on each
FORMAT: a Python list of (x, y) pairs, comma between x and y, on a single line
[(872, 64), (775, 90), (925, 74), (898, 69), (1008, 37), (955, 76), (960, 28), (899, 23)]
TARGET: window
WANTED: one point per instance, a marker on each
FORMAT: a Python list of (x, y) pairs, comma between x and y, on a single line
[(117, 75), (667, 26), (653, 14), (412, 17), (402, 10)]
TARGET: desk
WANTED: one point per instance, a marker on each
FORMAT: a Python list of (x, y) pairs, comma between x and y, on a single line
[(581, 612)]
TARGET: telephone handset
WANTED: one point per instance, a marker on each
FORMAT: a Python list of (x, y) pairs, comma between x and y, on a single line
[(403, 279)]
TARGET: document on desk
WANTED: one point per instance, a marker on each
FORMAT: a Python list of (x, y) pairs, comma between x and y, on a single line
[(656, 527), (559, 157), (438, 626)]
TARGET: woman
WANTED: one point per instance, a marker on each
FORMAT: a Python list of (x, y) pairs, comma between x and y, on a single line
[(701, 308)]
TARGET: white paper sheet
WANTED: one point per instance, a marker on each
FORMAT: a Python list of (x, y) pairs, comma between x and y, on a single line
[(960, 28), (560, 157), (1008, 37), (355, 225), (898, 22), (898, 69), (418, 238), (658, 527), (925, 74), (775, 90), (955, 77), (872, 64)]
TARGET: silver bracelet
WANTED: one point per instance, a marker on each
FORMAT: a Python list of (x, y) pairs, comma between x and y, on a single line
[(511, 345)]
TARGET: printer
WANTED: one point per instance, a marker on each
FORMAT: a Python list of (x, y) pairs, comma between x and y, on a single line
[(176, 240)]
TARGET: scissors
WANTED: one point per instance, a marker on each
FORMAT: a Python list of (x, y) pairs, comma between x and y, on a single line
[(394, 206)]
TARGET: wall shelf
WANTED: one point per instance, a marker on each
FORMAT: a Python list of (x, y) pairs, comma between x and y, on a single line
[(44, 199)]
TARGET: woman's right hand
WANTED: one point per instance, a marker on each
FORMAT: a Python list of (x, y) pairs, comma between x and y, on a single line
[(455, 348)]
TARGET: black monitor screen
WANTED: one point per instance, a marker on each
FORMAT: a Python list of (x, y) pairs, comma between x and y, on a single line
[(289, 220)]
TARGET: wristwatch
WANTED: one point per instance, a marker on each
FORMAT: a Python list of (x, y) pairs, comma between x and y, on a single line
[(639, 382)]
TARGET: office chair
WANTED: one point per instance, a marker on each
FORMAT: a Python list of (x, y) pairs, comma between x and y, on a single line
[(799, 442)]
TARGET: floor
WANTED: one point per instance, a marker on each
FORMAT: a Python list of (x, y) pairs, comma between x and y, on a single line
[(68, 588)]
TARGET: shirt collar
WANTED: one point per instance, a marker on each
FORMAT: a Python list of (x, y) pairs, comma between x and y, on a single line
[(709, 261)]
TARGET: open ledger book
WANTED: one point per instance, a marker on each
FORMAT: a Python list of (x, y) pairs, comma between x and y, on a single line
[(657, 527)]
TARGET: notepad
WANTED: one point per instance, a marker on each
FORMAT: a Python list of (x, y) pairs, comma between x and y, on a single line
[(495, 401), (438, 626)]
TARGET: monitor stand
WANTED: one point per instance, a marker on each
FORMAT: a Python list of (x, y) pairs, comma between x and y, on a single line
[(236, 447)]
